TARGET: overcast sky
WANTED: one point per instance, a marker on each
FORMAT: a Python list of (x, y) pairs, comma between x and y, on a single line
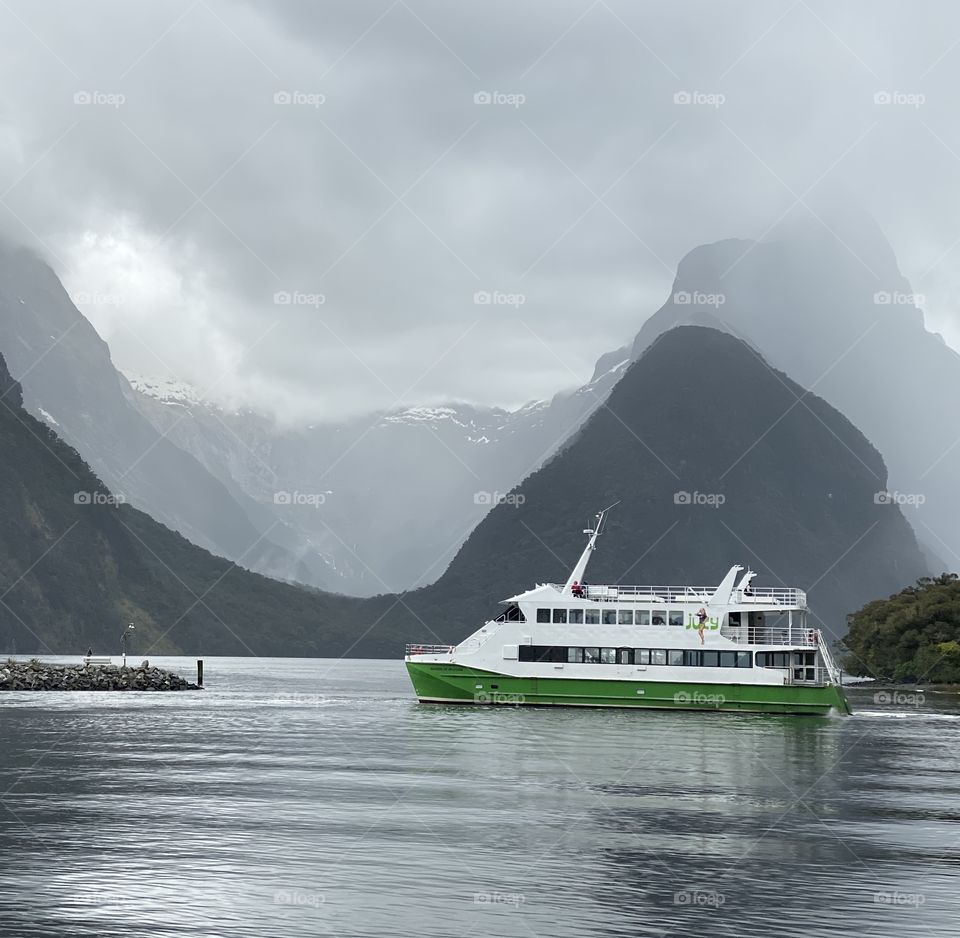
[(188, 166)]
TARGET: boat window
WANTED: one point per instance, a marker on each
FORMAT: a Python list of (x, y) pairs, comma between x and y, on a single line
[(625, 617), (575, 616), (676, 617), (659, 616), (710, 659), (643, 617), (592, 617), (609, 616), (773, 659), (658, 656), (575, 655), (744, 659), (543, 615), (560, 616), (728, 659), (624, 656), (675, 658), (525, 653), (641, 656), (591, 655), (608, 655), (691, 659)]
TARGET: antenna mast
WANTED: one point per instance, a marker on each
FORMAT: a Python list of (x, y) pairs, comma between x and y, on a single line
[(578, 571)]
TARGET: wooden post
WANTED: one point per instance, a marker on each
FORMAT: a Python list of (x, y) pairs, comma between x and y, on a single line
[(200, 672)]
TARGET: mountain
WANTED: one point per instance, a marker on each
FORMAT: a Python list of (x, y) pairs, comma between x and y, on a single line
[(699, 421), (713, 463), (76, 565), (69, 382), (387, 498), (832, 309), (384, 502), (401, 491), (358, 492)]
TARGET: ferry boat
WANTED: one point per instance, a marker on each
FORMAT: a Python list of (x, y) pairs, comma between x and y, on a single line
[(732, 647)]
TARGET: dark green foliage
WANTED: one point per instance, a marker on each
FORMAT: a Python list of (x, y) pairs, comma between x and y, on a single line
[(912, 636), (72, 575)]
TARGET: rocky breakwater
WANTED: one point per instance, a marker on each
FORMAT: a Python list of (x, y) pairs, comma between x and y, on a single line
[(35, 675)]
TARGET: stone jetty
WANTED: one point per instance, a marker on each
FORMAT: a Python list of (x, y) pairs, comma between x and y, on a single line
[(36, 675)]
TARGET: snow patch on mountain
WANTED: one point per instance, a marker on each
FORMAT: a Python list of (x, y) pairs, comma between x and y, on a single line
[(166, 390), (424, 415), (48, 417)]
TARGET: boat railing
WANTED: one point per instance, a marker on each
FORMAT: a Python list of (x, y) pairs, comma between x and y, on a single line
[(821, 675), (766, 595), (832, 667), (773, 635), (429, 650)]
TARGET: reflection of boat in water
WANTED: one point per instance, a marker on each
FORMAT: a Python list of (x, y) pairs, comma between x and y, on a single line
[(732, 647)]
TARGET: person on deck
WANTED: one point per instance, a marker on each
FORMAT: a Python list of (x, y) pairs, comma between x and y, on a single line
[(701, 624), (577, 589)]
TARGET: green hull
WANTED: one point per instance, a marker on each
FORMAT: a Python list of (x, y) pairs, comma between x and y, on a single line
[(453, 683)]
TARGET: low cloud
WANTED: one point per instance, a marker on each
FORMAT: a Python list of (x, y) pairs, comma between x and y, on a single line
[(399, 158)]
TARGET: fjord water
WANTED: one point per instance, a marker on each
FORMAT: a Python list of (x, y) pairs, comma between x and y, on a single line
[(301, 797)]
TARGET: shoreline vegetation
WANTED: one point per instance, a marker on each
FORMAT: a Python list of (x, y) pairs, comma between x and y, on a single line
[(912, 637), (36, 675)]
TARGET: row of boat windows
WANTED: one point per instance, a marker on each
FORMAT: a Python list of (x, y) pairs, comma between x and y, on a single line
[(665, 656), (611, 616), (695, 658)]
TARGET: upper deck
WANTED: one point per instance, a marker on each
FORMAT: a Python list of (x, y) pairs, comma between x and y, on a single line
[(787, 597)]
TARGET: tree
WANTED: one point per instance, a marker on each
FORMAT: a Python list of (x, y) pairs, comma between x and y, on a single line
[(912, 636)]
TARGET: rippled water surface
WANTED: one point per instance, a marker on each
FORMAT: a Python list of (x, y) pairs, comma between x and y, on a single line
[(310, 798)]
